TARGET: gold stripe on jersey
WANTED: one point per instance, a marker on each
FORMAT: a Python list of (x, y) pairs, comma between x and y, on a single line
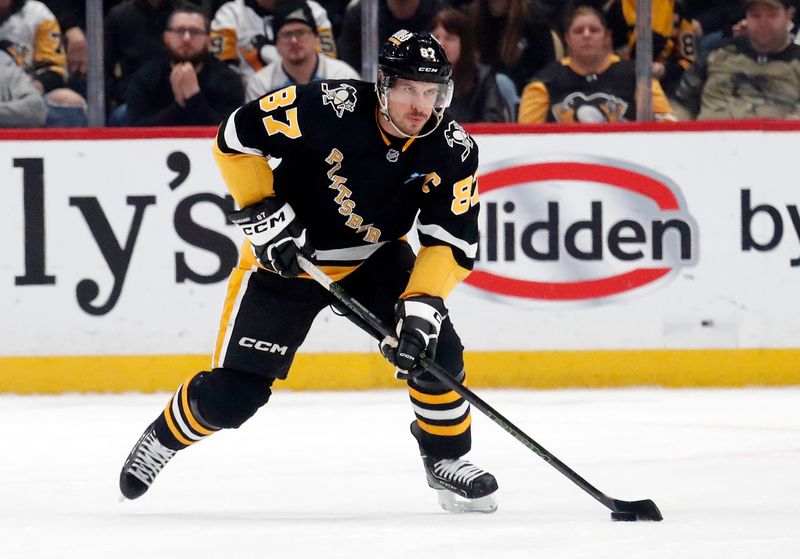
[(48, 52), (386, 139), (249, 177), (535, 104), (232, 297), (434, 399), (247, 261), (435, 273), (662, 17), (252, 57), (446, 430), (223, 44), (327, 42), (661, 106)]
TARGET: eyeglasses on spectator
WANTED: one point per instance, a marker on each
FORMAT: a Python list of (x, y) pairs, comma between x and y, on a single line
[(192, 31)]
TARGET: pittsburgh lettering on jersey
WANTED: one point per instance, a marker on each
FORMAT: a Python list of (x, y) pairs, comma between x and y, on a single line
[(346, 205)]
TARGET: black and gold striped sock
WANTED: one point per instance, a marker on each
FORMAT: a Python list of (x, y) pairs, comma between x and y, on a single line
[(443, 417), (179, 425)]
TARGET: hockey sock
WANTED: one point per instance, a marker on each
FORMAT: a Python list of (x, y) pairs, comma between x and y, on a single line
[(180, 425), (443, 417)]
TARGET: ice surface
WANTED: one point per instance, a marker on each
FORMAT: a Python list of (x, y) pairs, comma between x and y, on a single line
[(338, 475)]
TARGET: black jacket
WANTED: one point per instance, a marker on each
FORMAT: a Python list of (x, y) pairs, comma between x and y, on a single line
[(134, 34), (152, 103), (483, 103)]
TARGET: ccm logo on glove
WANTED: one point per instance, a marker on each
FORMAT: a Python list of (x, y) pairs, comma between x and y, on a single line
[(263, 227), (276, 235)]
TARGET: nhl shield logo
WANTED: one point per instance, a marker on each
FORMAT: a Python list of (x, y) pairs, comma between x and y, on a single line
[(341, 99), (457, 135)]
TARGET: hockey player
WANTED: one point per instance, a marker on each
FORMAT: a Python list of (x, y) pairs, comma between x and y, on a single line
[(359, 162)]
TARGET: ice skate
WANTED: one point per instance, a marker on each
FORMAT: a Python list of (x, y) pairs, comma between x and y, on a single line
[(147, 458), (460, 485)]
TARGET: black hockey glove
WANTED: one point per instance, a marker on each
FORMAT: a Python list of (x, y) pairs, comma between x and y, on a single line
[(419, 319), (275, 234)]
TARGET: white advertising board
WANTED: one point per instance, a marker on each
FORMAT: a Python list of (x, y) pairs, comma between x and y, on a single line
[(635, 240)]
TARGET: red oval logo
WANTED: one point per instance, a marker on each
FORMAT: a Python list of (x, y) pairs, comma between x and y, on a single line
[(652, 230)]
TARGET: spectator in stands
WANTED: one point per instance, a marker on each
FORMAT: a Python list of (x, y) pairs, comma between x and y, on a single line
[(476, 97), (512, 38), (297, 42), (591, 84), (242, 34), (21, 104), (30, 33), (674, 41), (189, 86), (71, 16), (713, 20), (393, 15), (133, 36), (753, 76)]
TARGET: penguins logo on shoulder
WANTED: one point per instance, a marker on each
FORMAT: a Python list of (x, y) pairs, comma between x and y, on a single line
[(341, 99), (455, 134)]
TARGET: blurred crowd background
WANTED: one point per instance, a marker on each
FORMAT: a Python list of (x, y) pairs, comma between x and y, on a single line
[(169, 63)]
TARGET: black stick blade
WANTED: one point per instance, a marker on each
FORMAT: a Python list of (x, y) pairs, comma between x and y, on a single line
[(630, 511)]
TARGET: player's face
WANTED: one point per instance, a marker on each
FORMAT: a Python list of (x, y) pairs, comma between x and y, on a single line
[(411, 104), (296, 42), (768, 26), (586, 37), (186, 38)]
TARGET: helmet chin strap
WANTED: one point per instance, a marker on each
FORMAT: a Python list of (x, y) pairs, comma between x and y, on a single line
[(383, 104)]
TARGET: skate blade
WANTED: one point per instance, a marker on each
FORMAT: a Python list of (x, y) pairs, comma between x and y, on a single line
[(451, 502)]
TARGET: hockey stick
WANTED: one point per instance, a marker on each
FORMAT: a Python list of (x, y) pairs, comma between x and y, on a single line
[(620, 510)]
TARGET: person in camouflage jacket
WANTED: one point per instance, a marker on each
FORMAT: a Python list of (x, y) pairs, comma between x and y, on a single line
[(756, 75)]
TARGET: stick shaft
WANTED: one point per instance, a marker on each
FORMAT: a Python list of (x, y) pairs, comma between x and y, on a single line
[(374, 322)]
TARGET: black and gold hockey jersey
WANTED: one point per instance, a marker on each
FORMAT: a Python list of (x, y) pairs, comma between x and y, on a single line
[(560, 94), (32, 36), (320, 148), (242, 35), (673, 34)]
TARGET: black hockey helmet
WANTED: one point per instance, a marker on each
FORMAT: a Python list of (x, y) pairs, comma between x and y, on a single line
[(416, 57)]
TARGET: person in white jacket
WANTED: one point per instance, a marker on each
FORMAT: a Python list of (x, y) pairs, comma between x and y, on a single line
[(243, 36), (21, 104), (297, 41)]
